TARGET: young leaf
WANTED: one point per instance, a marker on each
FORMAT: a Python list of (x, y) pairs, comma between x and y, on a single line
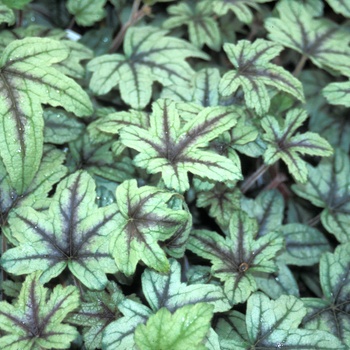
[(202, 27), (321, 40), (241, 8), (185, 329), (149, 56), (272, 325), (96, 312), (27, 80), (283, 145), (34, 321), (143, 219), (6, 15), (338, 93), (174, 151), (253, 72), (328, 187), (168, 291), (332, 312), (71, 234), (237, 257), (86, 12)]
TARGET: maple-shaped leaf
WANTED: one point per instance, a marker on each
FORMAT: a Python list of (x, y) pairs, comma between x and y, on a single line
[(272, 324), (283, 143), (86, 12), (35, 320), (320, 40), (342, 7), (49, 173), (6, 15), (332, 312), (253, 72), (184, 329), (143, 219), (202, 27), (73, 233), (338, 93), (241, 8), (161, 291), (27, 81), (96, 312), (328, 187), (239, 255), (149, 55), (173, 150)]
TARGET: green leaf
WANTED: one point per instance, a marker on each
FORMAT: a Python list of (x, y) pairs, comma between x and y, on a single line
[(86, 12), (35, 321), (332, 312), (96, 312), (185, 329), (202, 27), (73, 233), (272, 325), (27, 80), (174, 151), (144, 218), (61, 127), (149, 56), (283, 145), (16, 4), (328, 187), (320, 40), (304, 245), (338, 93), (342, 7), (168, 291), (253, 72), (241, 8), (237, 257), (6, 15)]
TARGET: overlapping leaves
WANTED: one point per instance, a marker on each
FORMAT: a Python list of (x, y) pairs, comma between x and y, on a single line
[(26, 81), (73, 233), (35, 321), (173, 150), (239, 255), (272, 324), (149, 55), (253, 72), (144, 218), (283, 144)]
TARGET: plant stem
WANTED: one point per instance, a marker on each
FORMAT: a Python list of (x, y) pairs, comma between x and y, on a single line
[(252, 178), (300, 65), (71, 23), (135, 16), (314, 221)]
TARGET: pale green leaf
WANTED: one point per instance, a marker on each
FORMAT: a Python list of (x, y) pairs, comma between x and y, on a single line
[(16, 4), (283, 144), (143, 219), (272, 325), (86, 12), (149, 56), (338, 93), (73, 233), (237, 257), (174, 151), (332, 312), (6, 15), (328, 187), (27, 81), (320, 40), (340, 6), (253, 72), (202, 27), (35, 320), (185, 329)]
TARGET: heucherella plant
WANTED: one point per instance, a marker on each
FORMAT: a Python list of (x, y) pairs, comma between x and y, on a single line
[(174, 174)]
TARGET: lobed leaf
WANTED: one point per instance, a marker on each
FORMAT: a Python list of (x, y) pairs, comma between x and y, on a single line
[(253, 72), (338, 93), (342, 7), (86, 12), (6, 15)]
